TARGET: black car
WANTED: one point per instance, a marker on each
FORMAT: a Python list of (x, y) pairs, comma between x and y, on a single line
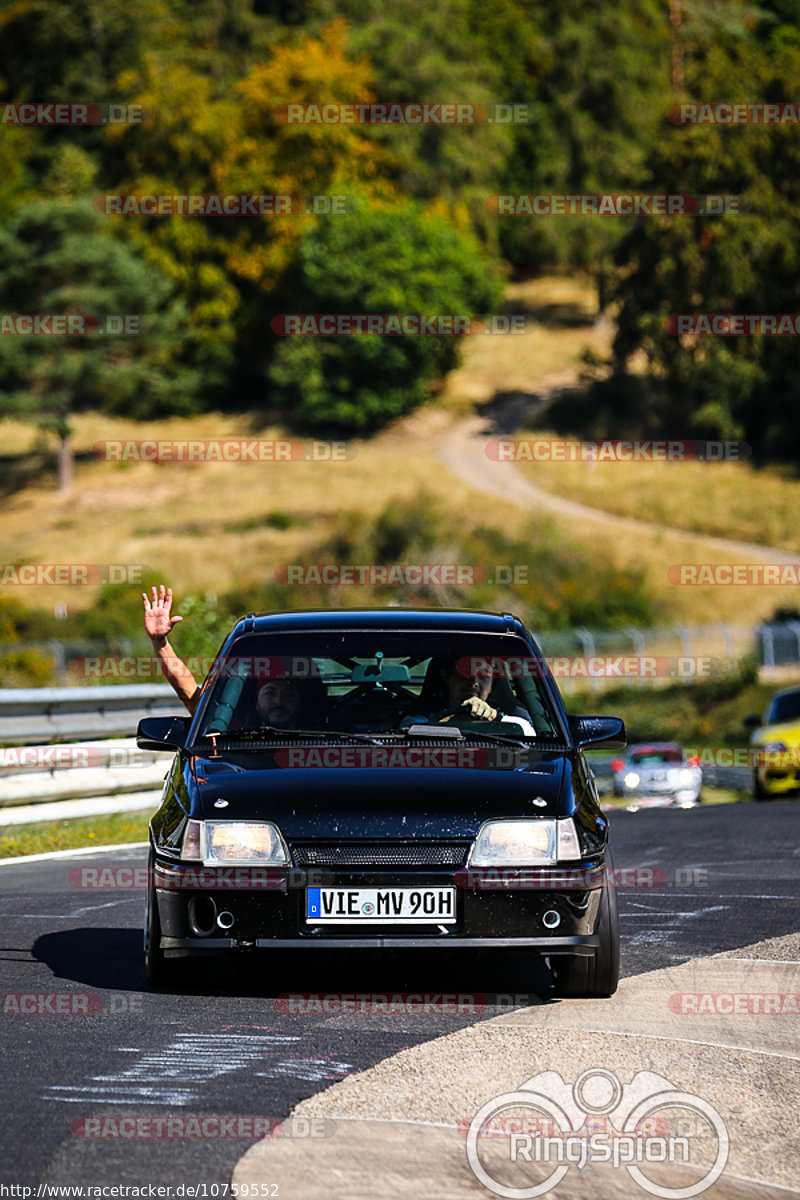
[(373, 779)]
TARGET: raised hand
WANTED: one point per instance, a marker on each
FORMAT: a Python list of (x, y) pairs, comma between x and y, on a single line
[(157, 619)]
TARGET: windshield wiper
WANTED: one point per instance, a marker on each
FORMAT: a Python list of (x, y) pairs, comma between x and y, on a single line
[(252, 733)]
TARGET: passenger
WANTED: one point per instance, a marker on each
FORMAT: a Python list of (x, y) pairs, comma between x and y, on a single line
[(280, 701)]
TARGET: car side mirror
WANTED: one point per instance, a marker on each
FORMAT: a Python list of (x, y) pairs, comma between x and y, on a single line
[(162, 733), (599, 732)]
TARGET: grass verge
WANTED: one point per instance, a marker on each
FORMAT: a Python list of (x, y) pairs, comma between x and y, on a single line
[(75, 834)]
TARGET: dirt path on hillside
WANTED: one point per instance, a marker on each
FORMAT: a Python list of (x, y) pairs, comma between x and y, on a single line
[(462, 449)]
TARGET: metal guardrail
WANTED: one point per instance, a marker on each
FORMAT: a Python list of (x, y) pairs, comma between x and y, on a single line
[(31, 716)]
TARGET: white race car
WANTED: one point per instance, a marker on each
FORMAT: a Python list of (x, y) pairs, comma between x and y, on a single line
[(657, 774)]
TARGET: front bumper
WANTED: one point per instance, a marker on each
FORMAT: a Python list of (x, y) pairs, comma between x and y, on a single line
[(778, 782), (491, 912)]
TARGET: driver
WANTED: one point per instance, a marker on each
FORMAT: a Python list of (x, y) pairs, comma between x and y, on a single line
[(468, 692)]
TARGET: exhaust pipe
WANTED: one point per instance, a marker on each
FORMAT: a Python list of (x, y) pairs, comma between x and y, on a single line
[(551, 919), (202, 915), (225, 919)]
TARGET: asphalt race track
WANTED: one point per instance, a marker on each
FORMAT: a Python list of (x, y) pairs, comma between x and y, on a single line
[(691, 883)]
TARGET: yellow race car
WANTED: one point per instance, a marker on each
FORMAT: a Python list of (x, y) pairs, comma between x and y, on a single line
[(776, 739)]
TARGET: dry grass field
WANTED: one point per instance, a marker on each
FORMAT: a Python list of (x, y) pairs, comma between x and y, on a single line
[(215, 525)]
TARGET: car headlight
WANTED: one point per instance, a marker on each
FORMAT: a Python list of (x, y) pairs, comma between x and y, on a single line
[(631, 780), (686, 776), (248, 843), (525, 843)]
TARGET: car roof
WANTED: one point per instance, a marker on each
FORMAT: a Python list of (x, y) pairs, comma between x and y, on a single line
[(431, 619)]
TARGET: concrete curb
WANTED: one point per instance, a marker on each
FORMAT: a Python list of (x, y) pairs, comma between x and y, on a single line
[(400, 1126)]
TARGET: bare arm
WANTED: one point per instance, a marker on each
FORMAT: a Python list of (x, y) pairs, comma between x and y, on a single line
[(159, 623)]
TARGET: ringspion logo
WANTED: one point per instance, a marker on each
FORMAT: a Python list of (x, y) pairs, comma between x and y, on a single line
[(550, 1127)]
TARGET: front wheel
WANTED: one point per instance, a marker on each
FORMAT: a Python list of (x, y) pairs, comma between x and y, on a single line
[(594, 977), (758, 790), (159, 971)]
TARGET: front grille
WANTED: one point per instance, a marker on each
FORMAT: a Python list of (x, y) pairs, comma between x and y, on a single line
[(380, 854)]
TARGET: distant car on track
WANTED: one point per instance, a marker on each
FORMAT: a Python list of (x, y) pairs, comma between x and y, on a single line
[(392, 817), (658, 774), (777, 739)]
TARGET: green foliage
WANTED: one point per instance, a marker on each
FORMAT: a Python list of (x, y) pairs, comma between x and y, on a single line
[(56, 259), (742, 262), (708, 713), (210, 75), (551, 584), (596, 78), (424, 53), (375, 261), (26, 668)]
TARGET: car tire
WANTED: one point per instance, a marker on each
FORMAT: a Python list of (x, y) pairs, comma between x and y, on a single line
[(758, 792), (159, 971), (594, 977)]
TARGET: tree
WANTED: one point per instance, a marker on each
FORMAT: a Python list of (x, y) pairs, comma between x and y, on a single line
[(377, 260), (742, 262), (56, 259)]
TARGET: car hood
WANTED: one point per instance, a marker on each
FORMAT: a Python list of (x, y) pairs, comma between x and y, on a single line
[(788, 733), (377, 802)]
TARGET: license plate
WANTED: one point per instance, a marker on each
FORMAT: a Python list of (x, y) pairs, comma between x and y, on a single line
[(381, 906)]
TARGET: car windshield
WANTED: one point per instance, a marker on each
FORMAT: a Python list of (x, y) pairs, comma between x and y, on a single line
[(371, 682), (784, 708), (656, 758)]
